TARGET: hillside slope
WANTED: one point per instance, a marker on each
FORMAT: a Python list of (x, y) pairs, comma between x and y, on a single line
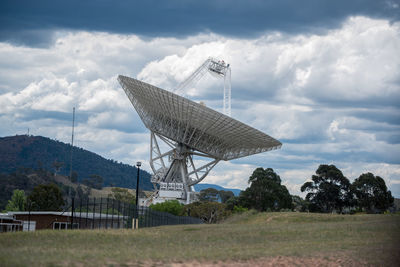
[(38, 152)]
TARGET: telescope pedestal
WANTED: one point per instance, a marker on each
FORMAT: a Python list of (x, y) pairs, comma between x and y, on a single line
[(174, 170)]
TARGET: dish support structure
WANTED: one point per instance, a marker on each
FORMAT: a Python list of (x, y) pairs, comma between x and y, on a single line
[(175, 172)]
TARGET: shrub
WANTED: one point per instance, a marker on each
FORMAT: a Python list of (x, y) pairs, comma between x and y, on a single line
[(239, 209), (209, 212), (170, 206)]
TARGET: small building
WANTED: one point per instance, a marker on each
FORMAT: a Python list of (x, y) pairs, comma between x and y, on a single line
[(58, 220), (8, 223)]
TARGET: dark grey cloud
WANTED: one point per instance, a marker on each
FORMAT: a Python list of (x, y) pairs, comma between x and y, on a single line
[(33, 22), (61, 117), (390, 138), (386, 116)]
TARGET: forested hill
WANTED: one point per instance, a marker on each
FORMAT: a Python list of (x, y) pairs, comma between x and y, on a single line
[(40, 152)]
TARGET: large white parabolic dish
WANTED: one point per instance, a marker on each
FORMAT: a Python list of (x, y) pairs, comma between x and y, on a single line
[(194, 125)]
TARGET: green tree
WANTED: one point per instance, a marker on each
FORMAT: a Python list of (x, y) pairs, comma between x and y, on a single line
[(232, 202), (329, 190), (239, 209), (225, 195), (17, 202), (46, 198), (209, 194), (74, 177), (170, 206), (299, 204), (213, 195), (371, 193), (57, 165), (209, 212), (83, 192), (95, 181), (123, 195), (265, 192)]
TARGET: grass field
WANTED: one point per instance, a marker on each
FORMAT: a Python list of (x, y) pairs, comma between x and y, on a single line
[(244, 240)]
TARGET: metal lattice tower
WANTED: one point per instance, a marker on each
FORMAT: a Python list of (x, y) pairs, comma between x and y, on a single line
[(217, 68)]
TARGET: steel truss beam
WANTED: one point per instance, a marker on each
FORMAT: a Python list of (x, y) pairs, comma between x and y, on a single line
[(177, 165)]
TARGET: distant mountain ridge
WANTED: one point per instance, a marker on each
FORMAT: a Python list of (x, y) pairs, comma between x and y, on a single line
[(41, 152), (37, 152), (199, 187)]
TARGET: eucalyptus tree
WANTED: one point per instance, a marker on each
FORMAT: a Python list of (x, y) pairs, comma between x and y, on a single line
[(17, 201), (328, 190), (371, 193), (265, 192)]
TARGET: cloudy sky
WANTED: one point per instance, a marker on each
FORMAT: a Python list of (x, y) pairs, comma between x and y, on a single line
[(323, 77)]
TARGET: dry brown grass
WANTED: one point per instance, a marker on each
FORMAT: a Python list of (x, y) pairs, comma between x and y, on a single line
[(249, 239)]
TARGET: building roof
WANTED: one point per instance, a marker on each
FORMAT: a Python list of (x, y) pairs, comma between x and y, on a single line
[(6, 216), (77, 214), (197, 126)]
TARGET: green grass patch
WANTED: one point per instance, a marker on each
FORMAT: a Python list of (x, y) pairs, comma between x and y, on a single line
[(373, 238)]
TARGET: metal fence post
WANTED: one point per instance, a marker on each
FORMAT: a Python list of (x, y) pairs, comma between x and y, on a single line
[(123, 215), (29, 216), (80, 213), (112, 215), (101, 203), (72, 211), (107, 213), (93, 210), (134, 216), (87, 212), (129, 216), (118, 210)]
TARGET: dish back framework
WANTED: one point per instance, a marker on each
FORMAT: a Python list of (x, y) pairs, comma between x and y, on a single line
[(196, 137)]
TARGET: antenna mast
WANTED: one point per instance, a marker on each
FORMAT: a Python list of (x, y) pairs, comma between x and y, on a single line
[(72, 141)]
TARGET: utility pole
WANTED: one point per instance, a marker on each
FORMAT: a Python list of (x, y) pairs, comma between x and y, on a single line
[(72, 146)]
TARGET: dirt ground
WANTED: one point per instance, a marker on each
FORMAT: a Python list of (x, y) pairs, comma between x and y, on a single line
[(276, 261), (330, 261)]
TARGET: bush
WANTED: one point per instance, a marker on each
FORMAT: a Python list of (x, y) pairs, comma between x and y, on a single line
[(209, 212), (239, 209), (170, 206)]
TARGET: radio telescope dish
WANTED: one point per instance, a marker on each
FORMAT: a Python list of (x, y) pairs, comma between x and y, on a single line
[(190, 130)]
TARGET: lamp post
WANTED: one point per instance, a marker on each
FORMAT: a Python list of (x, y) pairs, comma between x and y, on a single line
[(138, 164)]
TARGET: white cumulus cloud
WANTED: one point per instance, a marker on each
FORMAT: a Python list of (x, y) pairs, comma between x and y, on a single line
[(330, 98)]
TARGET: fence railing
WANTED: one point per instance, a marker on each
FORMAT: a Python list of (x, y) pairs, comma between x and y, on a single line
[(108, 213)]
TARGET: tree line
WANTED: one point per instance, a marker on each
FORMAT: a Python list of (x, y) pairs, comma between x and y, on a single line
[(51, 197), (327, 191)]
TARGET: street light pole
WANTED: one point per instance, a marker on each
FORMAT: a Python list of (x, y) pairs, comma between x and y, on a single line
[(138, 164)]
